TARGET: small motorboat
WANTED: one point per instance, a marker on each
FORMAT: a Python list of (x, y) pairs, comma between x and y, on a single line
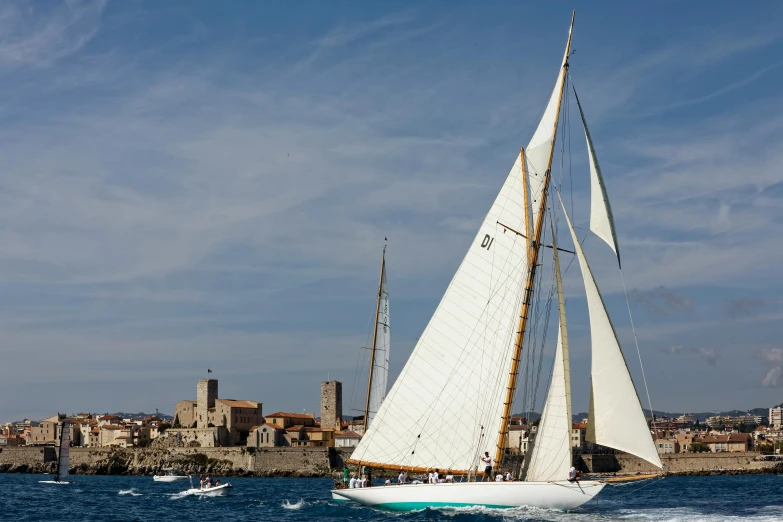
[(169, 475), (221, 490)]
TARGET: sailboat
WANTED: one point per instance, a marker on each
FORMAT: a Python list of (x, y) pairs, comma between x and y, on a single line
[(378, 377), (451, 404), (63, 456)]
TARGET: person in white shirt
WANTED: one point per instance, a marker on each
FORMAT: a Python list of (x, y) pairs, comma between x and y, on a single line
[(449, 477), (436, 476), (486, 460), (573, 474), (352, 483), (499, 477), (509, 477), (364, 481), (387, 483)]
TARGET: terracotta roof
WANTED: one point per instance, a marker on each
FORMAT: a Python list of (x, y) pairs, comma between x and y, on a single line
[(274, 426), (317, 430), (295, 428), (348, 434), (579, 426), (108, 417), (733, 437), (111, 427), (238, 404), (292, 415), (96, 430)]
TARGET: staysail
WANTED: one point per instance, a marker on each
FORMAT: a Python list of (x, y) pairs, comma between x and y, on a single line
[(601, 220), (445, 408), (380, 365), (550, 458), (617, 417), (63, 459)]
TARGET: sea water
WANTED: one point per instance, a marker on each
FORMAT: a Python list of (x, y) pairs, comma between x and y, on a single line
[(120, 498)]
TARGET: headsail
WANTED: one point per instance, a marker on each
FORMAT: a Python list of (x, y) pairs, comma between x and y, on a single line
[(601, 220), (63, 459), (447, 403), (380, 369), (550, 458), (618, 419)]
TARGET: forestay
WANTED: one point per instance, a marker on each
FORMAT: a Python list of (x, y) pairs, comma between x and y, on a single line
[(617, 416), (601, 220), (551, 452), (446, 406), (380, 376)]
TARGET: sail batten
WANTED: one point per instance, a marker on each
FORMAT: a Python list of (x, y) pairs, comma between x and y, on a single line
[(601, 219), (617, 419)]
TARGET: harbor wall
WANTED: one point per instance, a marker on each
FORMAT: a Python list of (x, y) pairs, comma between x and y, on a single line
[(303, 462), (677, 463)]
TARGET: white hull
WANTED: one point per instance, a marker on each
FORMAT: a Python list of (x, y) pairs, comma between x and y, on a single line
[(547, 495), (53, 482), (168, 478), (217, 491), (338, 497)]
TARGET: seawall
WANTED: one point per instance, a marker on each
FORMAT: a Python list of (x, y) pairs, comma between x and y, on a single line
[(680, 464), (260, 462)]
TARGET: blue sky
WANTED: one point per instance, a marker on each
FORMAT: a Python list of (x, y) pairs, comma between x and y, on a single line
[(193, 185)]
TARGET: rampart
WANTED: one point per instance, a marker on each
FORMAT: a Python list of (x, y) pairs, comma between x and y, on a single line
[(678, 463), (305, 462)]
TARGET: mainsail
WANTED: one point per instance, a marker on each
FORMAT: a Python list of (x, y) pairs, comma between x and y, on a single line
[(617, 419), (63, 459), (445, 408), (550, 458), (380, 359), (601, 220)]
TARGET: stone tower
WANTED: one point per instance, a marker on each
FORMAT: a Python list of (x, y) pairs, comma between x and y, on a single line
[(205, 398), (331, 404)]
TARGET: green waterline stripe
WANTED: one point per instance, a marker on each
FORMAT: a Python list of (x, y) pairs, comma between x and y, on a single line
[(414, 506)]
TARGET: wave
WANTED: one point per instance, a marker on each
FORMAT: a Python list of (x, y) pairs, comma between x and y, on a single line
[(288, 505), (133, 491)]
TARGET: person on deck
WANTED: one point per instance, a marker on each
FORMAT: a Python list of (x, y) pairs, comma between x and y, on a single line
[(345, 476), (509, 477), (387, 483), (403, 478), (499, 477), (352, 483), (574, 475), (487, 461), (449, 477)]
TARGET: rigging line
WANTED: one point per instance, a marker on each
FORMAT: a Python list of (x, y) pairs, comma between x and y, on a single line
[(639, 353)]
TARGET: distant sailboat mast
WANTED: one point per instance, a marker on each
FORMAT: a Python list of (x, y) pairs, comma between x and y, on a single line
[(63, 459), (534, 245)]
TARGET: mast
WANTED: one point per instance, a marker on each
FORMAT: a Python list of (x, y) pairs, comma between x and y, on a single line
[(374, 341), (534, 249)]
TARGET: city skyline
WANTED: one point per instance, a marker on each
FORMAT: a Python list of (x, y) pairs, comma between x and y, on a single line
[(189, 186)]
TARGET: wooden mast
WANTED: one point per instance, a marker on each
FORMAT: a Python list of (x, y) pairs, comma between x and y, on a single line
[(533, 251), (374, 341)]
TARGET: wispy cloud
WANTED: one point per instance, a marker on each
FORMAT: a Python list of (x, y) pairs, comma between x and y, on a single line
[(37, 34), (661, 301)]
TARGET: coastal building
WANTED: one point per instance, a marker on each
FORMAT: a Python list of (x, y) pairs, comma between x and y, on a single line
[(346, 439), (267, 436), (211, 421), (776, 417), (665, 446), (288, 420), (578, 434), (727, 443)]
